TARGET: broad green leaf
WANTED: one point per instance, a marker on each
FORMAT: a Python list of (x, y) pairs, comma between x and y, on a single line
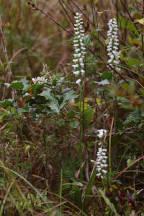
[(47, 94), (54, 106), (70, 95), (67, 97)]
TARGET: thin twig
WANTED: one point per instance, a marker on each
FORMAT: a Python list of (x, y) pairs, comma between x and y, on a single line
[(125, 169), (62, 5), (47, 15)]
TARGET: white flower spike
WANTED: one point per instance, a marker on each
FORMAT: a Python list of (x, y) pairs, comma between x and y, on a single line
[(101, 163), (79, 48), (113, 45)]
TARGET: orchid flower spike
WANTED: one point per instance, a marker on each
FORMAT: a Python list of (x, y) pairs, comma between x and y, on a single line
[(113, 45), (79, 48)]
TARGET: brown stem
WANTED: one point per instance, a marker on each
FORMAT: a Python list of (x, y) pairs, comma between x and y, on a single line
[(47, 15), (68, 16), (125, 169)]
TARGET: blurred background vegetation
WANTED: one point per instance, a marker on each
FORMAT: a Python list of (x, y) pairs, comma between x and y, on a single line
[(39, 144)]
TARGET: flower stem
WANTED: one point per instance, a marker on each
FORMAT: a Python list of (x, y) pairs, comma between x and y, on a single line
[(110, 135)]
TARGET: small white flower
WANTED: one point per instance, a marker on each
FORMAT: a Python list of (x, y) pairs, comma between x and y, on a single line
[(77, 50), (101, 133), (78, 81), (75, 66), (77, 55), (39, 80), (76, 72), (75, 60), (82, 71), (82, 65)]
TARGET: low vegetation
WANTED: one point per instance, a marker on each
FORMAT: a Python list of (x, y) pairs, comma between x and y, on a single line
[(72, 108)]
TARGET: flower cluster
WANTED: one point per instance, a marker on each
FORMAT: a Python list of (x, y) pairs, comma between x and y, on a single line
[(113, 44), (101, 162), (79, 48), (39, 80), (44, 78), (101, 133)]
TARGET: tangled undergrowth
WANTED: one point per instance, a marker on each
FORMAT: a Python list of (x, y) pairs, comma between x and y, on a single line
[(71, 108)]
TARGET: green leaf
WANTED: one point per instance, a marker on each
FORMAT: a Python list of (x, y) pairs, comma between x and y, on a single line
[(106, 75), (103, 82), (67, 97), (134, 117), (23, 110), (17, 85), (133, 61), (89, 187), (70, 95), (47, 94), (108, 202), (6, 102), (127, 24), (74, 124), (54, 106), (88, 116)]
